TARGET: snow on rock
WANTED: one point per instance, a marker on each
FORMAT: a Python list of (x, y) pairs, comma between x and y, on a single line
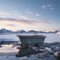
[(48, 49), (51, 38), (58, 33)]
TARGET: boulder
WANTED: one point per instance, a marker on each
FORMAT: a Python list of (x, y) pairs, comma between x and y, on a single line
[(57, 55)]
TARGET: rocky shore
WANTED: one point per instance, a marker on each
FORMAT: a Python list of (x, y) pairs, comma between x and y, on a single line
[(47, 49)]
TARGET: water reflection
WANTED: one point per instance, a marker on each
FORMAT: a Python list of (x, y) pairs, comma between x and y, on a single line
[(10, 49), (8, 52)]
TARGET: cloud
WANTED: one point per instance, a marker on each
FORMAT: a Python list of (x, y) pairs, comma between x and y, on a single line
[(10, 24), (21, 24), (24, 17), (25, 20), (28, 11), (50, 6), (43, 6), (16, 24), (47, 6), (37, 14), (20, 16), (15, 13), (10, 14), (4, 13)]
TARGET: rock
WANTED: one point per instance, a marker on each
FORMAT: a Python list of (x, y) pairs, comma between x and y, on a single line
[(57, 55), (56, 49), (42, 55)]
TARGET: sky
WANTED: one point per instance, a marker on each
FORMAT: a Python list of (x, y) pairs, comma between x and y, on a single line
[(39, 15)]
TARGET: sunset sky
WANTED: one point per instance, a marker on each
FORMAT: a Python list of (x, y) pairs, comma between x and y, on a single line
[(30, 15)]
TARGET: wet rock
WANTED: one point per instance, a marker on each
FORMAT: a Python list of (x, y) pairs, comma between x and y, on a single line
[(57, 48), (42, 55)]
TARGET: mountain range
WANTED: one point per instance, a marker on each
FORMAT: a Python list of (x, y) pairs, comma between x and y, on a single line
[(3, 30)]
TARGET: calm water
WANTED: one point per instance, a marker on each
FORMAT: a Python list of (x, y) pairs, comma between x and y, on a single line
[(26, 58)]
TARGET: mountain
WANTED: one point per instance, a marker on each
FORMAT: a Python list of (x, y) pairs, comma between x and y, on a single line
[(3, 30), (32, 31), (20, 31)]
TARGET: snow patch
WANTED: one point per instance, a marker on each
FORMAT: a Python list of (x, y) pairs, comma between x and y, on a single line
[(51, 38), (9, 37)]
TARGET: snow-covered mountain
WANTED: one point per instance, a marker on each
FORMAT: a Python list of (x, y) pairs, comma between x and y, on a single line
[(5, 31)]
